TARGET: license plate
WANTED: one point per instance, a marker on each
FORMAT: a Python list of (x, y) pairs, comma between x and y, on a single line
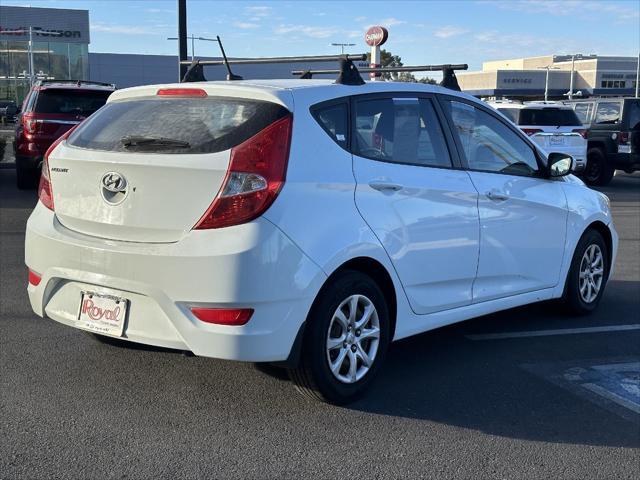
[(102, 313), (556, 140), (624, 148)]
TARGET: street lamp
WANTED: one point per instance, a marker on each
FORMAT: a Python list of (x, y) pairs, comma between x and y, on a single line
[(193, 39), (573, 57), (32, 75), (342, 45), (546, 81)]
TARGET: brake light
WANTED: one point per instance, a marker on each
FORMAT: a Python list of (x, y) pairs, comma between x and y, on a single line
[(581, 131), (45, 191), (181, 92), (531, 131), (34, 278), (29, 123), (256, 174), (222, 316), (623, 138)]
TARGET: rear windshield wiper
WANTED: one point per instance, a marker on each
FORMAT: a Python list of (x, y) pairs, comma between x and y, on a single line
[(140, 141)]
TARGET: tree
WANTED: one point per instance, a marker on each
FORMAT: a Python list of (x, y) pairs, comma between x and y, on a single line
[(387, 59)]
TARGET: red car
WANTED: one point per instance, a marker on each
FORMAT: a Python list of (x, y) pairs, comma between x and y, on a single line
[(50, 109)]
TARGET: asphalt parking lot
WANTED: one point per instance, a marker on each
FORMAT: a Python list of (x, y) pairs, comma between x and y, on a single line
[(495, 397)]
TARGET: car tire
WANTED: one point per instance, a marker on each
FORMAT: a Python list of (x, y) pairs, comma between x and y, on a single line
[(588, 274), (598, 171), (348, 309), (26, 178)]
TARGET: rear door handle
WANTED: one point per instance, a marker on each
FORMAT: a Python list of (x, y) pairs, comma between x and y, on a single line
[(496, 196), (385, 186)]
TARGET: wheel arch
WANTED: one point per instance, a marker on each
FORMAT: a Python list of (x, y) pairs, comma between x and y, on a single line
[(603, 230), (377, 271)]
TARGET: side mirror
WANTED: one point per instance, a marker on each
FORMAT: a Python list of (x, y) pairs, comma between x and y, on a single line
[(559, 164)]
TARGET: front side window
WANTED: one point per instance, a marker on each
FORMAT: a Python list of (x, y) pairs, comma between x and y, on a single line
[(334, 119), (400, 130), (488, 144), (608, 112)]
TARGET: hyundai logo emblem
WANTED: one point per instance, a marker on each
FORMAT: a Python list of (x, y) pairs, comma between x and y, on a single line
[(114, 182)]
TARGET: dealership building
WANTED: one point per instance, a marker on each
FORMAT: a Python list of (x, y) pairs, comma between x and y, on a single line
[(525, 78)]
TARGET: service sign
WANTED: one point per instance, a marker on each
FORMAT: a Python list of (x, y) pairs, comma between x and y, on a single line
[(376, 36)]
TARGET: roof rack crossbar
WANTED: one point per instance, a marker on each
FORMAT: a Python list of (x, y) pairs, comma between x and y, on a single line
[(449, 79), (310, 58)]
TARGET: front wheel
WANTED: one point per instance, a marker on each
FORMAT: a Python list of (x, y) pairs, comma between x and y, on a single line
[(345, 341), (588, 274)]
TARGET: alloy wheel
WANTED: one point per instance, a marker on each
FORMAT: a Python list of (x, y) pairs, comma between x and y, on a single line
[(591, 273)]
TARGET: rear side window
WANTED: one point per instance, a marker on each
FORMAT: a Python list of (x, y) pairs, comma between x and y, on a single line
[(510, 113), (584, 111), (334, 119), (400, 130), (177, 125), (73, 102), (557, 117), (608, 112)]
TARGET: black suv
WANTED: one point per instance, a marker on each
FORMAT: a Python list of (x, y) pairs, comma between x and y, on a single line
[(613, 134)]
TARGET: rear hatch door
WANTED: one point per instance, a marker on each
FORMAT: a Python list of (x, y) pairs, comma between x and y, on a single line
[(146, 169)]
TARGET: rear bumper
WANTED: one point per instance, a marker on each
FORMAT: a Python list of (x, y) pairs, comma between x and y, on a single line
[(625, 161), (253, 266)]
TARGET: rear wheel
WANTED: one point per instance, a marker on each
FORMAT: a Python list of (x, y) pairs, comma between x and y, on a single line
[(345, 342), (598, 172), (588, 274)]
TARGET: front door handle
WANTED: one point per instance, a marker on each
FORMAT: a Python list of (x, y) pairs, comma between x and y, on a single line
[(385, 186), (496, 196)]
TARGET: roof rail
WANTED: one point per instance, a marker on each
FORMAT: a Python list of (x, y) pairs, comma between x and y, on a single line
[(349, 71), (76, 82)]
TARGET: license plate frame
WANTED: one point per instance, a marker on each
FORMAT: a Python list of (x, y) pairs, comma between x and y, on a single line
[(102, 313)]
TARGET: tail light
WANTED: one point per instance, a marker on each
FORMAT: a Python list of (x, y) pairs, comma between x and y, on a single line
[(34, 278), (531, 131), (29, 123), (623, 138), (45, 191), (256, 174), (581, 131), (220, 316)]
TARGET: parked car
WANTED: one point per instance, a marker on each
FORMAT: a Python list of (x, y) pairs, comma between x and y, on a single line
[(50, 109), (306, 223), (553, 127), (613, 134), (8, 111)]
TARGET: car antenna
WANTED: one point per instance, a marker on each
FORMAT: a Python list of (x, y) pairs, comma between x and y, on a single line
[(230, 74)]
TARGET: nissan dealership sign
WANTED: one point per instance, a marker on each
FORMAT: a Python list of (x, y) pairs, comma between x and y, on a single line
[(69, 26), (376, 36)]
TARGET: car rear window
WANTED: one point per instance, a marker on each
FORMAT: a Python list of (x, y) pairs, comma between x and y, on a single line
[(557, 117), (70, 101), (177, 125)]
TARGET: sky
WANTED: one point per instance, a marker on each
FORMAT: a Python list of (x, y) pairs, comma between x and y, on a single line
[(421, 32)]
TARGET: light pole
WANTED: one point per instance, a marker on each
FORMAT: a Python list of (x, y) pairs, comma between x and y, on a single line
[(638, 76), (32, 74), (546, 81), (193, 45), (342, 45)]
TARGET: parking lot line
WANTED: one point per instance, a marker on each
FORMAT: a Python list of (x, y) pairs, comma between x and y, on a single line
[(558, 331), (603, 392)]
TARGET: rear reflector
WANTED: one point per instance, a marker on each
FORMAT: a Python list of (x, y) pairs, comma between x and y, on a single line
[(34, 278), (181, 92), (221, 316)]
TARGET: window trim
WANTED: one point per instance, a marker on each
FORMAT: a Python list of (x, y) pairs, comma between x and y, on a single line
[(314, 110), (542, 168), (454, 160)]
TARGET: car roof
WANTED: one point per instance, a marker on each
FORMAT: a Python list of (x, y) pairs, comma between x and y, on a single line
[(283, 90)]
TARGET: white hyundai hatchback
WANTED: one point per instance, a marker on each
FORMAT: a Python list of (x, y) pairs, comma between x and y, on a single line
[(305, 223)]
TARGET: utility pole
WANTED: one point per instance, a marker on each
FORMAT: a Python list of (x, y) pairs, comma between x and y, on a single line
[(638, 76), (573, 64), (546, 81), (182, 38)]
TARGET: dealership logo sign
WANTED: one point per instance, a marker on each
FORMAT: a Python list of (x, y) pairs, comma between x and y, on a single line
[(376, 36), (40, 32)]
